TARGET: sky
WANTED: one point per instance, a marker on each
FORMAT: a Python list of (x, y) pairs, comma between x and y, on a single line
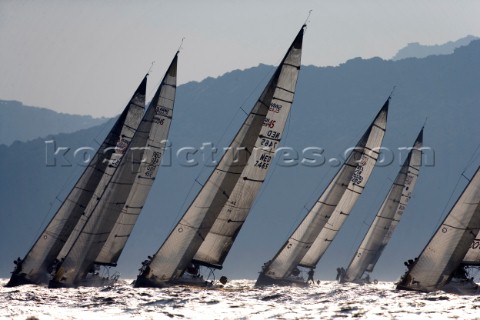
[(87, 57)]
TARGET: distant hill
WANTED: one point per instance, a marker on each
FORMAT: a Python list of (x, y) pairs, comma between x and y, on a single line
[(332, 108), (23, 123), (417, 50)]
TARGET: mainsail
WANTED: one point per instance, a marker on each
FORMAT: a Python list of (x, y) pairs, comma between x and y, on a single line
[(36, 266), (157, 138), (449, 245), (208, 228), (125, 193), (387, 218), (305, 245)]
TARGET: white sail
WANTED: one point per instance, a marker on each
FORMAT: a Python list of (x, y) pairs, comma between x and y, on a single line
[(221, 190), (146, 174), (337, 199), (449, 245), (139, 165), (388, 216), (36, 265), (221, 236)]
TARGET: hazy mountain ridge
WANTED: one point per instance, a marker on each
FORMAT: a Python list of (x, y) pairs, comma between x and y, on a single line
[(332, 108), (37, 122), (417, 50)]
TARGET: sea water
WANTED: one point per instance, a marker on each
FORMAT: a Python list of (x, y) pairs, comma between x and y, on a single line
[(237, 300)]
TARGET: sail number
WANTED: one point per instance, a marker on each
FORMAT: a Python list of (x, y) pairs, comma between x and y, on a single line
[(269, 123), (264, 161), (153, 164), (161, 111), (158, 120), (273, 134), (357, 175), (268, 143), (475, 244), (267, 140), (275, 107)]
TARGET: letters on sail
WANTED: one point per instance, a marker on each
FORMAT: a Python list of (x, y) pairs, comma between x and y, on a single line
[(125, 193), (387, 218), (35, 268), (448, 247), (208, 228), (307, 244), (472, 258)]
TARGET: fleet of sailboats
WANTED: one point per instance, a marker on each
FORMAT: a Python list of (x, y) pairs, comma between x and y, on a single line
[(92, 225), (386, 220), (95, 244), (89, 231), (37, 265), (313, 235)]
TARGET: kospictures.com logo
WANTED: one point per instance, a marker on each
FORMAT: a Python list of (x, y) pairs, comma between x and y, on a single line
[(208, 155)]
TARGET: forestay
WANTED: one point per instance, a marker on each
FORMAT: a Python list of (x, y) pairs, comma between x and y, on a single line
[(138, 167), (450, 243), (37, 264), (388, 216), (253, 146), (337, 199)]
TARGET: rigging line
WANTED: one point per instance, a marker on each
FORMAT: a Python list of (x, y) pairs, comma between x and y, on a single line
[(308, 17), (443, 212), (183, 208), (157, 84), (150, 69), (472, 158), (376, 201), (391, 92), (75, 172), (352, 140), (181, 45), (229, 126), (425, 122)]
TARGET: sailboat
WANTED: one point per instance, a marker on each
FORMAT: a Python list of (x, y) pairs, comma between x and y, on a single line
[(36, 266), (207, 230), (386, 220), (102, 236), (312, 236), (440, 265)]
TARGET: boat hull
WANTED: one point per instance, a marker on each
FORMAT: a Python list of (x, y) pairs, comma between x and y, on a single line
[(264, 280), (143, 282), (19, 280), (361, 281), (461, 287), (94, 281)]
